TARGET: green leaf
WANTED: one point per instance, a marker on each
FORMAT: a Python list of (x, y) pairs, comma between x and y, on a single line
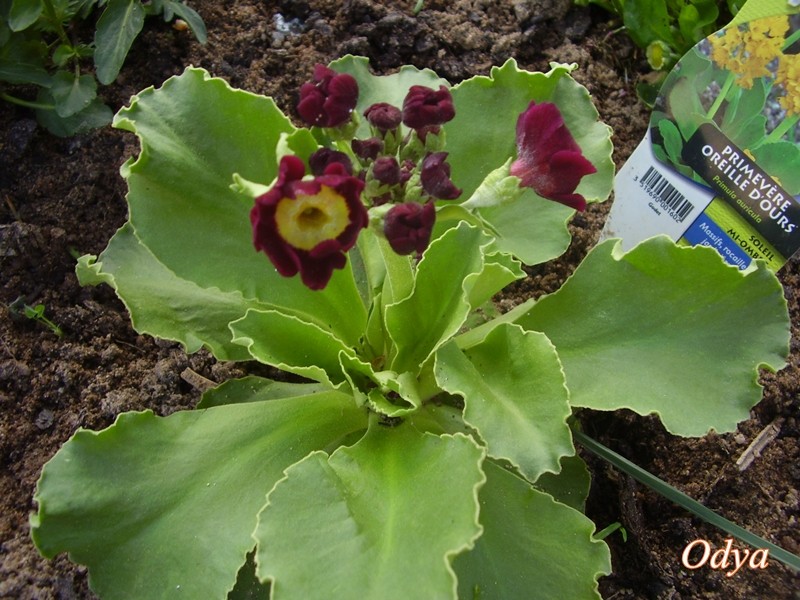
[(439, 305), (530, 228), (696, 20), (532, 547), (647, 21), (72, 94), (187, 530), (377, 521), (743, 121), (23, 61), (196, 132), (569, 486), (193, 20), (95, 115), (673, 142), (24, 13), (257, 389), (62, 54), (117, 27), (514, 396), (499, 270), (782, 161), (668, 330), (685, 106), (164, 305), (83, 8), (292, 345)]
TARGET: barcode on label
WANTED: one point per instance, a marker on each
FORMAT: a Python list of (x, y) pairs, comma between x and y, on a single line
[(667, 196)]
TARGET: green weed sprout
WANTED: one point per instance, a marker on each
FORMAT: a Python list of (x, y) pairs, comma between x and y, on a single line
[(37, 48)]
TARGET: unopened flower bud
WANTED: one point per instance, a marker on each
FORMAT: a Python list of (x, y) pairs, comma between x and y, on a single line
[(435, 177), (386, 170), (329, 100), (425, 107), (406, 169), (323, 157), (408, 227), (367, 149), (383, 116)]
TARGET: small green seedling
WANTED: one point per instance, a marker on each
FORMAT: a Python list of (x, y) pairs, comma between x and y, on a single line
[(38, 47), (607, 531), (34, 313), (667, 29)]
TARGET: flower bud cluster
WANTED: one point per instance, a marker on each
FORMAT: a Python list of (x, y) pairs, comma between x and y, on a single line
[(390, 179), (307, 223)]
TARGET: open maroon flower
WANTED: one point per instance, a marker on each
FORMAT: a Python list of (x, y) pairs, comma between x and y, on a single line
[(408, 227), (424, 107), (548, 158), (435, 177), (329, 100), (307, 226)]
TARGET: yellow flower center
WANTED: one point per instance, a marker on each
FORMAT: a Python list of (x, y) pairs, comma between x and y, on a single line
[(307, 220)]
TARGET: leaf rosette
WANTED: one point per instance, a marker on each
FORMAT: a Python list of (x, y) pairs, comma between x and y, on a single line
[(422, 453)]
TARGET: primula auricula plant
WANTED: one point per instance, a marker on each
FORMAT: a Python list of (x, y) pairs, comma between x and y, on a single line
[(427, 452)]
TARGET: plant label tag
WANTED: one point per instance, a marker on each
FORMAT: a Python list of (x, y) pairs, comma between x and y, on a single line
[(720, 164)]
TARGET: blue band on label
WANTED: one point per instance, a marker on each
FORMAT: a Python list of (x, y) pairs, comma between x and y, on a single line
[(704, 232)]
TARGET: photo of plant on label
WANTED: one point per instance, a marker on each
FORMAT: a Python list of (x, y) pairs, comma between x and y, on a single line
[(721, 164)]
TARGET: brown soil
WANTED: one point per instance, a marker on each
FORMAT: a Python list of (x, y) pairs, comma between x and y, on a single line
[(62, 197)]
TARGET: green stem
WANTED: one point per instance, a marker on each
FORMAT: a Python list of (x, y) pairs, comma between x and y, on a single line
[(25, 103), (428, 387), (684, 501), (791, 40), (721, 97), (55, 22), (347, 149), (782, 129)]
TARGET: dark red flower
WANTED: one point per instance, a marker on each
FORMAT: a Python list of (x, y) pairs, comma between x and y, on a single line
[(548, 158), (386, 170), (425, 107), (406, 169), (435, 177), (328, 101), (323, 157), (384, 116), (408, 227), (367, 149), (307, 226)]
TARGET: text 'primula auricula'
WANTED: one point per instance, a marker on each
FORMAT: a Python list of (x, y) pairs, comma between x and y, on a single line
[(393, 178)]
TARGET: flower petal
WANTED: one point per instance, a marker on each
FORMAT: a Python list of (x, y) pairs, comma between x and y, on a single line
[(548, 159), (308, 226), (435, 177), (425, 107), (408, 227)]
